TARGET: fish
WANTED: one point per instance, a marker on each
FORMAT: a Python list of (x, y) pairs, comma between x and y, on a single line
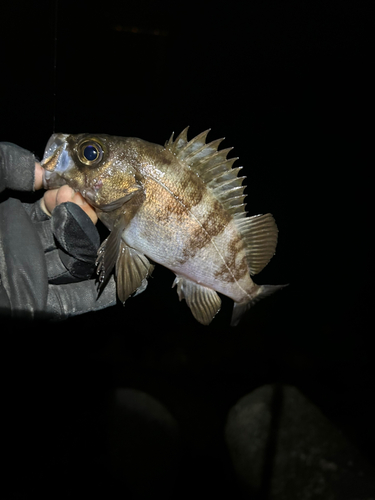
[(180, 205)]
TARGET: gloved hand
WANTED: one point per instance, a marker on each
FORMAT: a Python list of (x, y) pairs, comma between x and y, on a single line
[(46, 260)]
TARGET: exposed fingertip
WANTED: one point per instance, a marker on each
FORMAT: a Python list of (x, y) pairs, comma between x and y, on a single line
[(38, 178), (79, 199), (50, 199), (64, 194)]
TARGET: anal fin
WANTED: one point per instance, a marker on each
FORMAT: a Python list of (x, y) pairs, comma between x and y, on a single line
[(204, 302)]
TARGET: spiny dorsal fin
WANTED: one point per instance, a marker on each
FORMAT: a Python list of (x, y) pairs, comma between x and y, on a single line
[(179, 143), (260, 237), (213, 167)]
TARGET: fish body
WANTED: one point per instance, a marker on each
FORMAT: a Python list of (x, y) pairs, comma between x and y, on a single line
[(179, 205)]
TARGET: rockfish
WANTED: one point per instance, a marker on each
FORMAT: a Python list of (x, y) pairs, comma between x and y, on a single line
[(180, 205)]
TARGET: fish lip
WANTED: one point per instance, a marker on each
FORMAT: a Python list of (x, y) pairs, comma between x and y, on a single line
[(54, 142), (56, 161)]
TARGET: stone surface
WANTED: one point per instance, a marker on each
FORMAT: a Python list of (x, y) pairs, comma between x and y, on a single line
[(144, 444), (283, 448)]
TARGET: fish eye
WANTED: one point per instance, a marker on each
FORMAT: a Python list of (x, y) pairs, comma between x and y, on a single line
[(90, 152)]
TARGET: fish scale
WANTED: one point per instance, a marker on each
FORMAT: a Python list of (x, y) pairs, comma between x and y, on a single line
[(181, 206)]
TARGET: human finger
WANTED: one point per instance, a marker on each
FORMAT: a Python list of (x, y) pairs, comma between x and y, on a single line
[(38, 178), (86, 207), (54, 197)]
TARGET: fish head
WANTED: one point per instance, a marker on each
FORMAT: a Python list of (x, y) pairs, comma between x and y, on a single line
[(100, 167)]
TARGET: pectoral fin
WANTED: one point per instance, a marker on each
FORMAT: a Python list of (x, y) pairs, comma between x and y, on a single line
[(108, 253), (132, 267), (203, 302), (111, 248), (132, 271)]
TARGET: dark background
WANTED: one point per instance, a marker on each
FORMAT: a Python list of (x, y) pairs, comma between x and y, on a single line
[(290, 86)]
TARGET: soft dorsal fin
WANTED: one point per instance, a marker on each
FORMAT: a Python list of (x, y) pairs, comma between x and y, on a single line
[(213, 167), (259, 234)]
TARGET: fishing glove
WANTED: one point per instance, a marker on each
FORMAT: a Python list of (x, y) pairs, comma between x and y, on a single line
[(45, 261)]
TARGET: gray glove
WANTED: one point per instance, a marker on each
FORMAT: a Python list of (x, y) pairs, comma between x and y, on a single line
[(45, 262)]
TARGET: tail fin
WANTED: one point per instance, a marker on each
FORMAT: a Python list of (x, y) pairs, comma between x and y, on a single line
[(239, 308)]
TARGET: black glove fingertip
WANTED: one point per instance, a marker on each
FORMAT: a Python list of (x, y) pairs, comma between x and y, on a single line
[(75, 231)]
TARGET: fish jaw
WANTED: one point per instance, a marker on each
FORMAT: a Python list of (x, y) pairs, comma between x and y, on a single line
[(56, 161)]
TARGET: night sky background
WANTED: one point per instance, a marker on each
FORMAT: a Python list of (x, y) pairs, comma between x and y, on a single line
[(290, 86)]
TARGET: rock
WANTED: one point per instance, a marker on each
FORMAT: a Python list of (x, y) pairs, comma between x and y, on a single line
[(144, 445), (283, 448)]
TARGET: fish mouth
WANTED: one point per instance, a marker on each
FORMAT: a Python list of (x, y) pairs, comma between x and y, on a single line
[(54, 142), (52, 180), (56, 161)]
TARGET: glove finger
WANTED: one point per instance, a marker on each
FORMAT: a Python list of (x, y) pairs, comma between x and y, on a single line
[(77, 239), (42, 224), (57, 272)]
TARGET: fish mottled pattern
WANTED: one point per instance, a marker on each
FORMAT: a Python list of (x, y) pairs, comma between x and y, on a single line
[(180, 205), (208, 226), (235, 267)]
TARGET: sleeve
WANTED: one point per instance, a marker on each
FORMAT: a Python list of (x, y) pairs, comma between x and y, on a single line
[(17, 168), (23, 271)]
